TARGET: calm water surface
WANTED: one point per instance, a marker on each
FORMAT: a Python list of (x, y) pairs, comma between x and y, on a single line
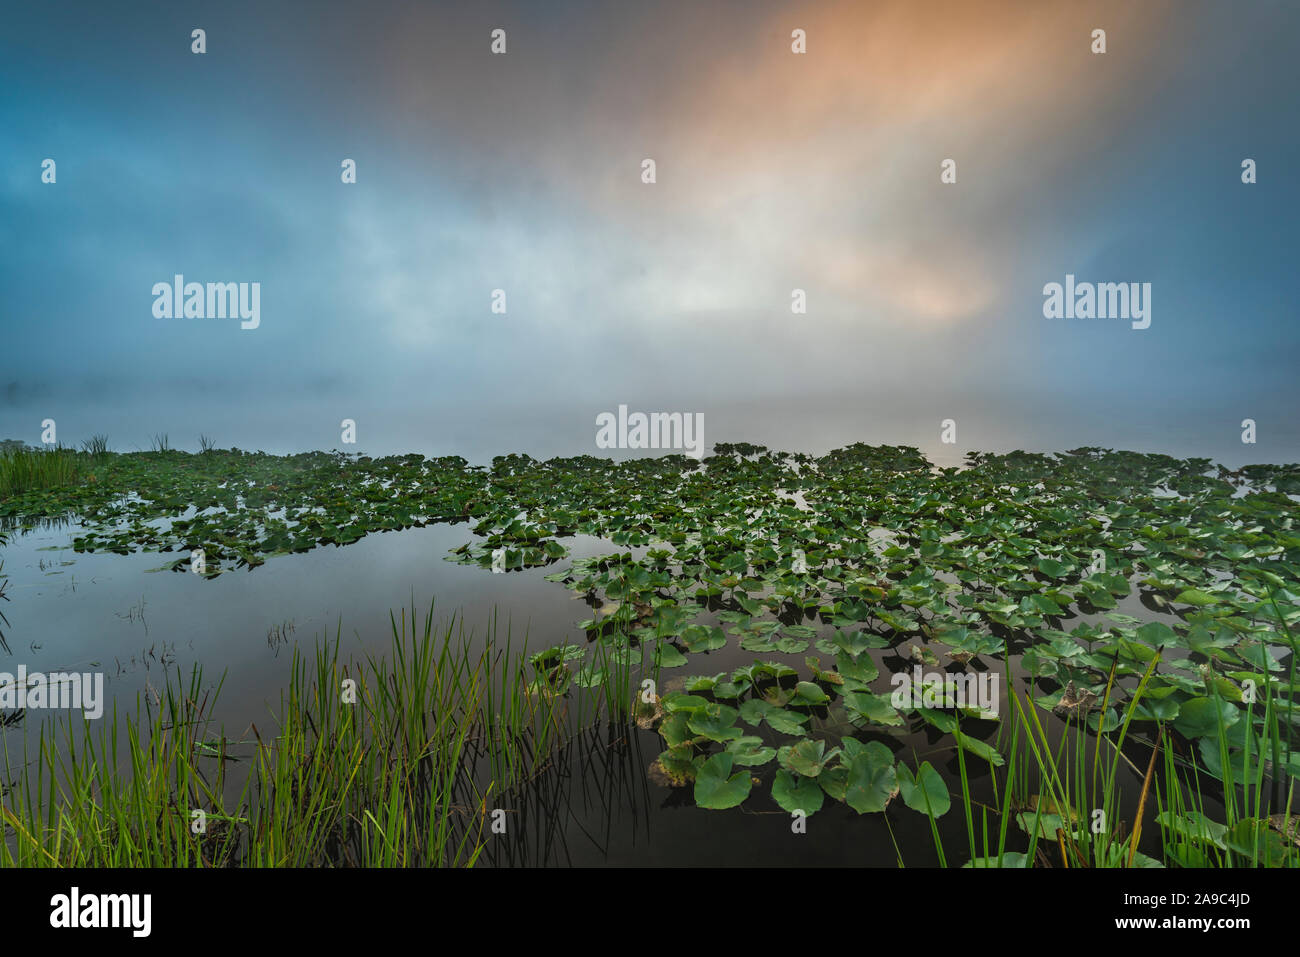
[(136, 621)]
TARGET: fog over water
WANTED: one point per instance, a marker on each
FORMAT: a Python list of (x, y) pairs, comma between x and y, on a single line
[(812, 424), (775, 173)]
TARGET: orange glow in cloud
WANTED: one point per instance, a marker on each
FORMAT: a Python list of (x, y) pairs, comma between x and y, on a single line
[(827, 164)]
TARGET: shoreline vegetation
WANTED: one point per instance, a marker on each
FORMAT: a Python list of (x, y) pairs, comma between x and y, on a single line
[(1139, 610), (387, 762)]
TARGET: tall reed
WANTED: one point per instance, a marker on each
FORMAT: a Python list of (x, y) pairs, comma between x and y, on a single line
[(395, 761), (26, 469)]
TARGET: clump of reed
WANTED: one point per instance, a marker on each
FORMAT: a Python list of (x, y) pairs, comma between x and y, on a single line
[(24, 469), (1064, 791), (395, 761), (96, 446)]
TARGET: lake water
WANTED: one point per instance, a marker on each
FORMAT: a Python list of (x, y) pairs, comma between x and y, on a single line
[(131, 618)]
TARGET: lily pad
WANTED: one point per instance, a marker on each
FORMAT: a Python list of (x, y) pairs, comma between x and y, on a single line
[(716, 787)]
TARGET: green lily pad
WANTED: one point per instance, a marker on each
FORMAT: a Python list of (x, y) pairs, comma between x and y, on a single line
[(926, 792), (794, 792), (716, 787), (806, 757), (863, 707), (749, 751), (872, 779), (717, 722), (1202, 716), (785, 722)]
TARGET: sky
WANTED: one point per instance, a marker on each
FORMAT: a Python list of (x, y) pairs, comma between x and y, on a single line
[(774, 171)]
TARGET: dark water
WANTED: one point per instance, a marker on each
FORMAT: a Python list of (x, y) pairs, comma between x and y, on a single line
[(596, 805), (125, 613)]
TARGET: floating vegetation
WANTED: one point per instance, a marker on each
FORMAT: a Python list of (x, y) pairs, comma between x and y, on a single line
[(1138, 611), (242, 507)]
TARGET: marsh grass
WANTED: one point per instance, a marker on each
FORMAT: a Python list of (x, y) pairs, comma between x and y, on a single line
[(395, 761), (25, 469), (1257, 791), (96, 446), (1065, 794), (618, 683)]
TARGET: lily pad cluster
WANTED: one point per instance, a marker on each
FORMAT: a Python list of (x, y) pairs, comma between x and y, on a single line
[(1075, 566), (832, 573), (716, 745), (242, 508)]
